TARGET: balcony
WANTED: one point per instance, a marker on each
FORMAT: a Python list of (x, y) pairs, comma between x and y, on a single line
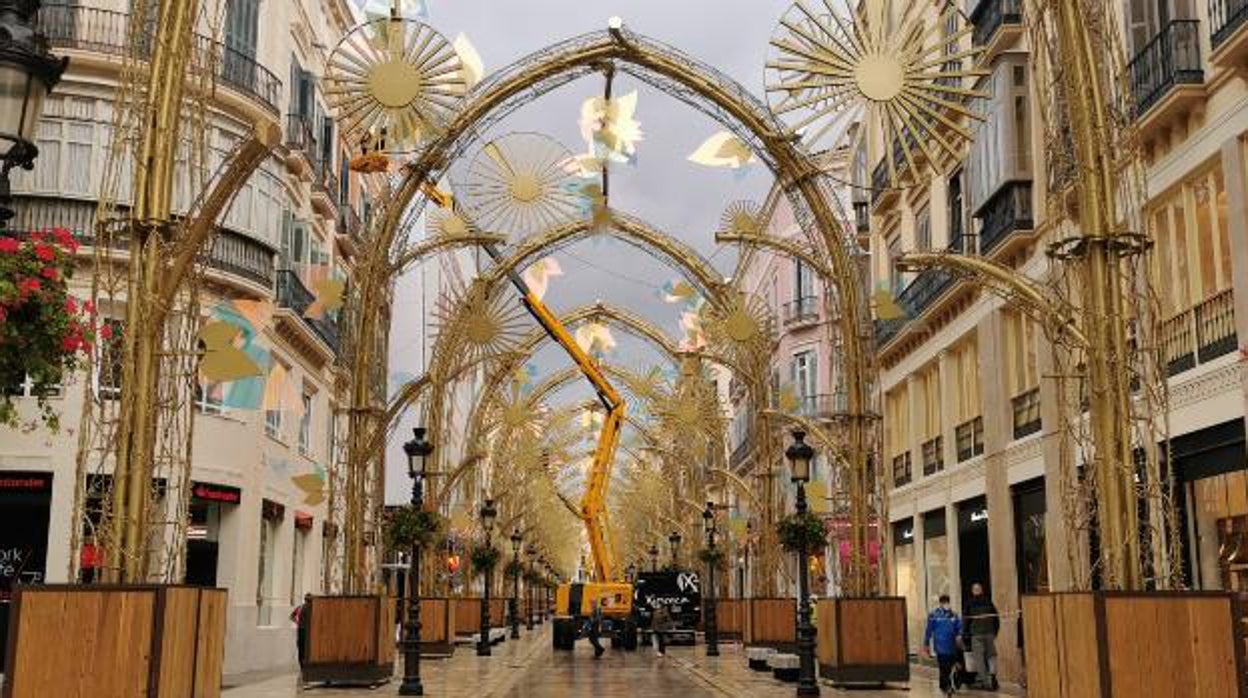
[(1200, 334), (926, 288), (1166, 75), (742, 452), (902, 473), (300, 144), (1026, 408), (933, 453), (1229, 45), (325, 188), (292, 295), (823, 405), (1006, 219), (801, 311), (998, 25), (862, 217), (232, 253), (99, 31), (883, 190), (886, 330), (969, 438), (350, 228)]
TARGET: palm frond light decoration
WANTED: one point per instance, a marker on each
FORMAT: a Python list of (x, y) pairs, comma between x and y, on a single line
[(520, 184), (392, 83), (835, 67), (481, 322)]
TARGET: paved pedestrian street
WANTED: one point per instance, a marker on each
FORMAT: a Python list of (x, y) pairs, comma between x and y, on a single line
[(528, 668)]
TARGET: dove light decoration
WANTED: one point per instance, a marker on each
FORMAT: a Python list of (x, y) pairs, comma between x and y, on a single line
[(610, 128), (538, 275), (723, 149)]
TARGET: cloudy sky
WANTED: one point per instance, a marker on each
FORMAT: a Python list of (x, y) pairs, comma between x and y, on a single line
[(662, 187)]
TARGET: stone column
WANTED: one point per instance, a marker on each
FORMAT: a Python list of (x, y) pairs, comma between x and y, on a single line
[(948, 420), (914, 440), (1233, 169), (998, 433)]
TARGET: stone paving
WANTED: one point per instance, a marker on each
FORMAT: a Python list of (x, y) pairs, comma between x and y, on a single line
[(529, 669)]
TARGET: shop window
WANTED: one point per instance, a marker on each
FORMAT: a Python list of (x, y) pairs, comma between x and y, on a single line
[(1031, 555), (935, 557), (1220, 522), (1001, 150), (210, 397)]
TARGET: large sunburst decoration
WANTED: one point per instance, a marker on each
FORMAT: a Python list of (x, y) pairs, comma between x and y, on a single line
[(480, 322), (742, 218), (520, 184), (834, 67), (393, 81), (742, 329)]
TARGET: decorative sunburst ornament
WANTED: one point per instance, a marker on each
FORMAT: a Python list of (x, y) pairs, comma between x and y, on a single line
[(445, 223), (742, 218), (481, 322), (520, 184), (393, 81), (835, 67), (742, 329)]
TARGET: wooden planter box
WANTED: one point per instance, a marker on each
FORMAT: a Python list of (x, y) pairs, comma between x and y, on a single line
[(728, 615), (350, 640), (115, 642), (437, 628), (468, 615), (863, 640), (770, 623), (1120, 644)]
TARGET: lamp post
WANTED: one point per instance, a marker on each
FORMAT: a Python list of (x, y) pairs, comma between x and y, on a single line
[(654, 557), (631, 573), (712, 629), (799, 454), (514, 606), (28, 72), (417, 450), (531, 599), (487, 513), (544, 592), (674, 539), (745, 567)]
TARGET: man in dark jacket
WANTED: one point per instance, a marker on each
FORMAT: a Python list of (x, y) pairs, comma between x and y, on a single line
[(983, 623), (302, 617), (941, 638), (595, 628)]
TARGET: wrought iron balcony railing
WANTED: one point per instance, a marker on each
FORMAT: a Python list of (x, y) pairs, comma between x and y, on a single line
[(349, 223), (326, 178), (294, 296), (299, 134), (1008, 211), (800, 310), (927, 286), (105, 31), (862, 216), (1200, 334), (823, 405), (1225, 17), (991, 15), (885, 330), (1171, 58), (232, 252)]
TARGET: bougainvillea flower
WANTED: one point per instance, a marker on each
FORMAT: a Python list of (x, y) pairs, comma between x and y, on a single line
[(45, 253), (29, 285), (9, 245)]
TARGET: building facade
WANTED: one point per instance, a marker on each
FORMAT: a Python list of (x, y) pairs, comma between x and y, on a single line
[(970, 406), (258, 518)]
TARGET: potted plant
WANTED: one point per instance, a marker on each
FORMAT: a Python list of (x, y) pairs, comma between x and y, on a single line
[(712, 557), (484, 557), (45, 333), (801, 531), (408, 526)]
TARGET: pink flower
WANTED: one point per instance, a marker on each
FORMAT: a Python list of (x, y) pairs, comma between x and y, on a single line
[(106, 331), (71, 342), (50, 273), (71, 305), (44, 252), (9, 245), (29, 285), (89, 307)]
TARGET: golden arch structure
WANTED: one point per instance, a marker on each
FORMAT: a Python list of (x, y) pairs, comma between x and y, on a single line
[(712, 93)]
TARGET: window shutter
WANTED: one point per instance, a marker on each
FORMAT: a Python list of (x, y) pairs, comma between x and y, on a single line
[(288, 221)]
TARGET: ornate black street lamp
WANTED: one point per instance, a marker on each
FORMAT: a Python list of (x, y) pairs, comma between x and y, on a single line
[(488, 514), (674, 539), (654, 557), (712, 629), (417, 451), (515, 584), (529, 591), (28, 72), (630, 573), (799, 454)]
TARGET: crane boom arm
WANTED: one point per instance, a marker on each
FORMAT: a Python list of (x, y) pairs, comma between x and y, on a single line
[(593, 502)]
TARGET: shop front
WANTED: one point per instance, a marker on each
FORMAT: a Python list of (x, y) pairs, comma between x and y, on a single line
[(1030, 555), (1213, 509), (209, 502), (25, 512), (935, 559), (906, 577), (973, 560)]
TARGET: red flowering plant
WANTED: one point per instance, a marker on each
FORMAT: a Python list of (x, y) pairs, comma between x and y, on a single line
[(44, 332)]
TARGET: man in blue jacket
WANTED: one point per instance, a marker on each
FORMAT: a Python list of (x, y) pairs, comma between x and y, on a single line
[(941, 638)]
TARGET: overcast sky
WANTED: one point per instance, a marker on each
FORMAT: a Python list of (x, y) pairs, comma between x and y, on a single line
[(662, 187)]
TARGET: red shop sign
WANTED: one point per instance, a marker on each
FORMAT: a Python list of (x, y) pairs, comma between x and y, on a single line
[(303, 521), (216, 493)]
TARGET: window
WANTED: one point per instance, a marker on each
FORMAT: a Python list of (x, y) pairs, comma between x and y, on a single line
[(955, 210), (296, 568), (112, 350), (210, 397), (803, 281), (1193, 258), (1001, 151), (305, 423), (897, 420), (923, 229), (264, 576), (275, 400), (805, 376), (896, 278)]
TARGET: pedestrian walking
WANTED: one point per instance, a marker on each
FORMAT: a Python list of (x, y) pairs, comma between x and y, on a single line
[(301, 616), (983, 623), (942, 638), (660, 623), (595, 629)]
